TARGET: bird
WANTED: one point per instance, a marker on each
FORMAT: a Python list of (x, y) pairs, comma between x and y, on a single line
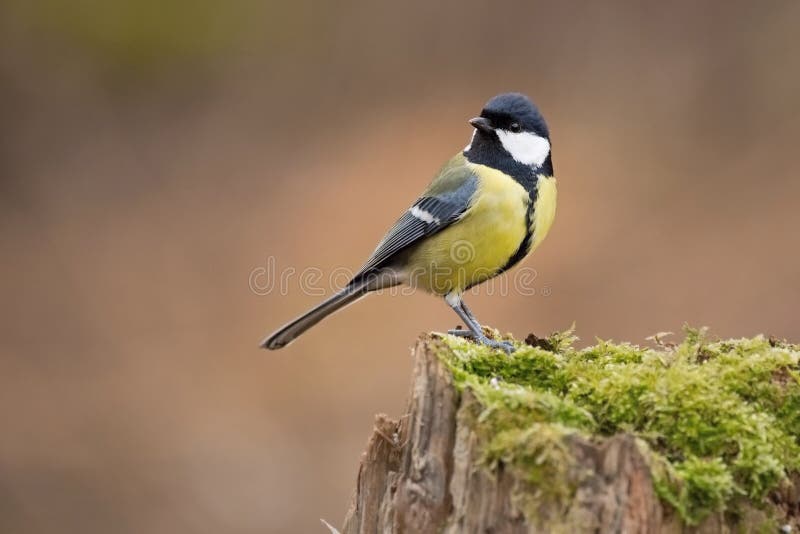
[(488, 208)]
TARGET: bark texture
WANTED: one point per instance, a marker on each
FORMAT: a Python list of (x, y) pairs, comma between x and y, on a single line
[(422, 474)]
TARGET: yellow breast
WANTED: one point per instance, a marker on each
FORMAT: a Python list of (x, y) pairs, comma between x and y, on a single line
[(475, 248), (544, 209)]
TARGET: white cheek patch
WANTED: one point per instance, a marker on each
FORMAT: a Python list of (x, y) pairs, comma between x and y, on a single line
[(525, 147)]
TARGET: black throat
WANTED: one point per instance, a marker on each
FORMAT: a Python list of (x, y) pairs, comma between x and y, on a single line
[(486, 149)]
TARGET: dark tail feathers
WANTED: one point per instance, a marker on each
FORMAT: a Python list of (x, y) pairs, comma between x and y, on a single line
[(287, 334)]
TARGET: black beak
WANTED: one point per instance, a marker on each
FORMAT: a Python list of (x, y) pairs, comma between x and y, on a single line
[(482, 124)]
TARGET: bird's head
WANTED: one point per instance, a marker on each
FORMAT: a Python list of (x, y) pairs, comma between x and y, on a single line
[(510, 131)]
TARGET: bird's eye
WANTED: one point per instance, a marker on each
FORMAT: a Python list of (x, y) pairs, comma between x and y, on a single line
[(515, 127)]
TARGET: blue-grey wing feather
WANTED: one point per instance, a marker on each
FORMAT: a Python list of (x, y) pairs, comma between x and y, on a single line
[(441, 209)]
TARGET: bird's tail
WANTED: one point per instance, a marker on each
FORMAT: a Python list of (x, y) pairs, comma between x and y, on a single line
[(354, 291)]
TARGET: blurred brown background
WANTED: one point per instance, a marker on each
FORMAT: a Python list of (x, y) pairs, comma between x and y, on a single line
[(154, 155)]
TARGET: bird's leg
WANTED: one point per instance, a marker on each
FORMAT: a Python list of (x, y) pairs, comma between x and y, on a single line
[(461, 332), (474, 329), (472, 325), (468, 311)]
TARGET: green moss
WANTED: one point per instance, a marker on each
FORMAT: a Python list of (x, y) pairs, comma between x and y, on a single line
[(720, 420)]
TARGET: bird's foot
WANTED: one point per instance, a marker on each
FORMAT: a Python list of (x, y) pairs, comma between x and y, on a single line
[(506, 346), (461, 332)]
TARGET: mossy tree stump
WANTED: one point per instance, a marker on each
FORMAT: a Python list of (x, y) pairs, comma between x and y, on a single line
[(698, 437)]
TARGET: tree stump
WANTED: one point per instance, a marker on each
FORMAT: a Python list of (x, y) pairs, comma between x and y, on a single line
[(418, 476), (426, 473)]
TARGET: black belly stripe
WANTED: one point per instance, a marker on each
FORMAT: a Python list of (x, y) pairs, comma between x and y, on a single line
[(525, 245), (532, 186)]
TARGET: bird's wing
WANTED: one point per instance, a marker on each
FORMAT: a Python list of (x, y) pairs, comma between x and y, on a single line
[(445, 201)]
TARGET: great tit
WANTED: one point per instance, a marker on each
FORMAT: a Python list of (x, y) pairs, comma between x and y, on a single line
[(488, 208)]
